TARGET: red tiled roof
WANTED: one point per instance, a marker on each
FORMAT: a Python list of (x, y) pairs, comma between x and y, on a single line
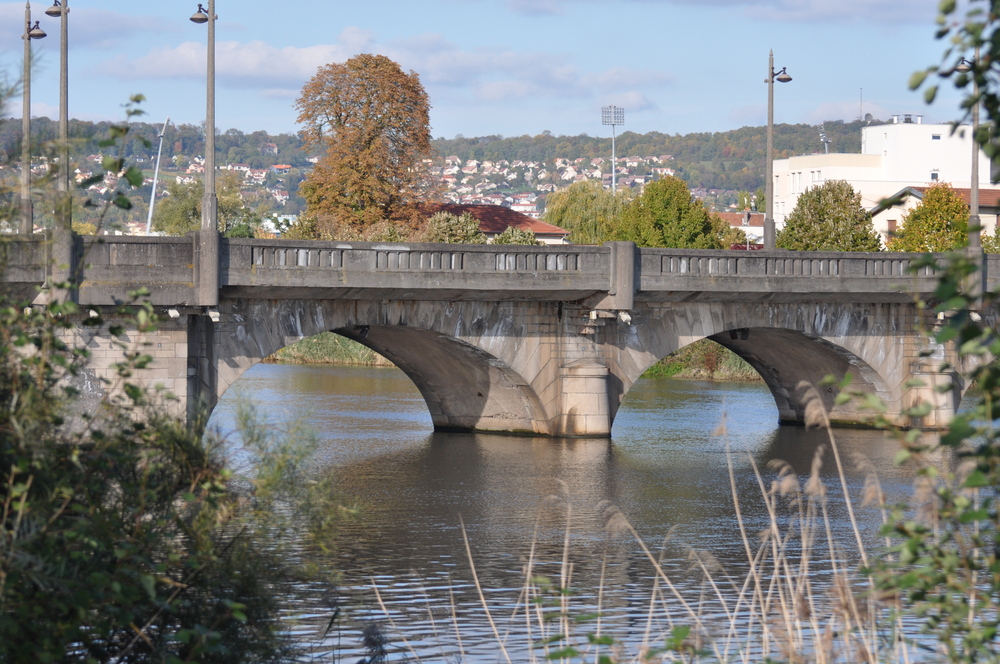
[(987, 197), (736, 218), (496, 218)]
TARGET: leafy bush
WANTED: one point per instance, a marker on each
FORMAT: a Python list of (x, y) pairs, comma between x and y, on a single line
[(454, 229), (513, 235)]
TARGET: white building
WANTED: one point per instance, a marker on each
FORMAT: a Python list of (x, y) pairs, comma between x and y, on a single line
[(894, 157)]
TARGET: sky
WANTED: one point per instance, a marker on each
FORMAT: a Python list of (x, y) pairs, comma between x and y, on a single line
[(508, 67)]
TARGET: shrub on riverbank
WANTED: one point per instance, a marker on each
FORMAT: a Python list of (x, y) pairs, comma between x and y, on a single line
[(704, 360), (329, 348)]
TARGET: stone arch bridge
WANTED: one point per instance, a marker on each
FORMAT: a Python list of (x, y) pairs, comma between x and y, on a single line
[(541, 340)]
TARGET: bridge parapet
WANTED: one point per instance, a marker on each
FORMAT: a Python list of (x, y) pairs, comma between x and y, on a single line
[(671, 274), (268, 268), (111, 266)]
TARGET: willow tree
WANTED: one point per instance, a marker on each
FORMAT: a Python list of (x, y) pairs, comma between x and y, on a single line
[(586, 209), (370, 120)]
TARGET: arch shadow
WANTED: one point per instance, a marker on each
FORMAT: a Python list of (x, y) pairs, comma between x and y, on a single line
[(465, 388)]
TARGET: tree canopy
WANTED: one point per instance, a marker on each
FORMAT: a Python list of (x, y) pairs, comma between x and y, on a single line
[(829, 218), (666, 215), (586, 209), (454, 229), (371, 120), (939, 223), (179, 212)]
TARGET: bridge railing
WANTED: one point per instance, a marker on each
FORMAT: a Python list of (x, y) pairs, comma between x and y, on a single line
[(520, 271), (888, 275)]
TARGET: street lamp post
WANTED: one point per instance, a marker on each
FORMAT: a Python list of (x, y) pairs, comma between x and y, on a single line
[(975, 239), (782, 77), (208, 237), (977, 281), (60, 8), (209, 208), (27, 211)]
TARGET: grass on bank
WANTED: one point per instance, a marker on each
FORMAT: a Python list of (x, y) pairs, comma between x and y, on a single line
[(329, 348), (702, 360)]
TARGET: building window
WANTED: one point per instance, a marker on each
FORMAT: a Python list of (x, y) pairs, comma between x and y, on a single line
[(891, 227), (935, 137), (934, 176)]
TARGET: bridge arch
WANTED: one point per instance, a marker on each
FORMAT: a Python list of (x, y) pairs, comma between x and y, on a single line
[(466, 359), (788, 344)]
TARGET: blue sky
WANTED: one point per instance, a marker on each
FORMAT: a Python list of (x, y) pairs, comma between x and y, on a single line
[(507, 67)]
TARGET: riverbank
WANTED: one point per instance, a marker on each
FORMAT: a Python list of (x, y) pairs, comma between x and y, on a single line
[(702, 360)]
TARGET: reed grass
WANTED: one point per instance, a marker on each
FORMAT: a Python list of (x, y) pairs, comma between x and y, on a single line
[(778, 609)]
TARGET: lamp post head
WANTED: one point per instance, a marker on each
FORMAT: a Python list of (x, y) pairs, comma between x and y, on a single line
[(782, 76), (200, 16), (55, 10), (35, 32)]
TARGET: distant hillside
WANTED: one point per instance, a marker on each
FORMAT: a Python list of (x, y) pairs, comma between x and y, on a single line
[(722, 160), (730, 160)]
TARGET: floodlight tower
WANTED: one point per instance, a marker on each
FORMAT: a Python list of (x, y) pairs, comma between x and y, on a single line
[(614, 116)]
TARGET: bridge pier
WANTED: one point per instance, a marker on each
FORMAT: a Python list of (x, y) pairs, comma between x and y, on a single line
[(584, 408)]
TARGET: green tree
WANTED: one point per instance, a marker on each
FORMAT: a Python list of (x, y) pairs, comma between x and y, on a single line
[(454, 229), (512, 235), (829, 218), (586, 209), (179, 212), (666, 215), (938, 223), (371, 122)]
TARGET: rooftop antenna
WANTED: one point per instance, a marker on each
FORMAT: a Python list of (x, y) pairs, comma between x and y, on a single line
[(156, 174), (861, 105)]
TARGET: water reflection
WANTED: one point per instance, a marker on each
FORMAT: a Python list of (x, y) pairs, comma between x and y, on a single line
[(666, 470)]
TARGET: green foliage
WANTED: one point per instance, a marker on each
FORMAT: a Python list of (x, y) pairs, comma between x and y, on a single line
[(939, 223), (124, 536), (944, 566), (454, 229), (666, 215), (586, 209), (179, 212), (329, 348), (121, 539), (829, 217), (704, 359), (516, 236)]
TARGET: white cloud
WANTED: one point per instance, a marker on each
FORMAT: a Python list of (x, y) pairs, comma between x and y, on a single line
[(487, 75), (89, 27)]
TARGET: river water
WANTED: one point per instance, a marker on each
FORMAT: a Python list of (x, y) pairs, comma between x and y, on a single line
[(665, 470)]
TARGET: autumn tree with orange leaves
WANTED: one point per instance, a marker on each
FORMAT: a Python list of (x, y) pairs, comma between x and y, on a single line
[(371, 122)]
